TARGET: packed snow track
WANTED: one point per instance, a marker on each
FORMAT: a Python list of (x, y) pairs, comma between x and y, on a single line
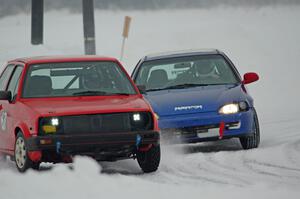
[(264, 40)]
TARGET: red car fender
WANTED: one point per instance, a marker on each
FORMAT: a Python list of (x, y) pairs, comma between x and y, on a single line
[(35, 156), (24, 128)]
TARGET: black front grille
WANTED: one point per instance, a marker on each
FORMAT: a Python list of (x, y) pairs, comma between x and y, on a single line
[(102, 123), (96, 123)]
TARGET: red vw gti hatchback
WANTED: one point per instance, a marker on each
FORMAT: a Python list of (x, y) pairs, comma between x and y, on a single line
[(53, 108)]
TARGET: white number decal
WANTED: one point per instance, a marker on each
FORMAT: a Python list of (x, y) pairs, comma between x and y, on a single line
[(3, 120)]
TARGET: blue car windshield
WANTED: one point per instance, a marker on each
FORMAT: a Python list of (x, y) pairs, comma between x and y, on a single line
[(182, 72)]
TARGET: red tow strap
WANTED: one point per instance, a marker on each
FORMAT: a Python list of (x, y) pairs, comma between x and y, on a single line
[(221, 130)]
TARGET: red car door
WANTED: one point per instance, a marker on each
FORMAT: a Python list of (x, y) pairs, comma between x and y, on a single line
[(5, 76), (9, 110)]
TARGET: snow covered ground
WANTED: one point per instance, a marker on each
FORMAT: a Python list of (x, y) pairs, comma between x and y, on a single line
[(264, 40)]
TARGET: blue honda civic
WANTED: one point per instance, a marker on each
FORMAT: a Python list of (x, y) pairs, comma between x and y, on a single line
[(199, 96)]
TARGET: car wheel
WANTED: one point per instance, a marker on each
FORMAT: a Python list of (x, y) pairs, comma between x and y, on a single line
[(21, 154), (252, 141), (149, 160)]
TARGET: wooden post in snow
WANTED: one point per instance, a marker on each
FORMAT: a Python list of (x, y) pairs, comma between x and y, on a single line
[(125, 34)]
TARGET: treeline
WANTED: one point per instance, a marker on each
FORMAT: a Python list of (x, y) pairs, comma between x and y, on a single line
[(11, 7)]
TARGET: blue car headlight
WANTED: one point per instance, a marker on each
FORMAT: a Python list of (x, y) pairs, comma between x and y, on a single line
[(233, 108)]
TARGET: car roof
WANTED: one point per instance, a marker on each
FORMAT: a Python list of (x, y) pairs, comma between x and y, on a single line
[(51, 59), (181, 53)]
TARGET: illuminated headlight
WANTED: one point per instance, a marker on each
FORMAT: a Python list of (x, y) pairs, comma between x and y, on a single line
[(136, 117), (54, 121), (141, 121), (234, 108), (229, 109)]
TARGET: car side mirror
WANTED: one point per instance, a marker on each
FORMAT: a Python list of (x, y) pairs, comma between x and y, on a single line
[(5, 95), (142, 89), (250, 77)]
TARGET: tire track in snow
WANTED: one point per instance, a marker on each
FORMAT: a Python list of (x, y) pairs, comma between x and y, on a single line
[(192, 176), (193, 169), (275, 166), (231, 173), (230, 149), (206, 167), (293, 151), (271, 170), (193, 173)]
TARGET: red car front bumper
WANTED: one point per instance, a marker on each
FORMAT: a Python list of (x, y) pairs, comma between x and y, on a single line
[(106, 145)]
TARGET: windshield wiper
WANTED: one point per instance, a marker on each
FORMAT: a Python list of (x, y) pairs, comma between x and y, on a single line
[(155, 89), (182, 86), (119, 94), (91, 93), (87, 93), (179, 86)]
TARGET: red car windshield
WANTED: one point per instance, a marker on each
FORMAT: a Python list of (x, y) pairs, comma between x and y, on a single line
[(76, 79)]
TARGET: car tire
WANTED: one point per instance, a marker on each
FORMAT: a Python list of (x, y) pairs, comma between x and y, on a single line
[(149, 160), (35, 165), (252, 141), (21, 154)]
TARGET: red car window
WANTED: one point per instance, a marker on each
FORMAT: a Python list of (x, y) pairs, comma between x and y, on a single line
[(5, 76), (14, 81)]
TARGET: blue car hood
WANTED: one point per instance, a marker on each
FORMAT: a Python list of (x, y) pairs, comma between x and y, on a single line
[(193, 100)]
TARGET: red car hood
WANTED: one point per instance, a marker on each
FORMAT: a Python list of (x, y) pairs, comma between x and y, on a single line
[(86, 105)]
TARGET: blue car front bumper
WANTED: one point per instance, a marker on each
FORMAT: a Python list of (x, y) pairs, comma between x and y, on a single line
[(190, 128)]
